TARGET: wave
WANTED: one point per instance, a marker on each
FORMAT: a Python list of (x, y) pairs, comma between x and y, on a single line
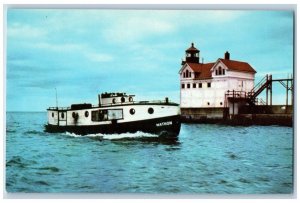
[(121, 136), (50, 168), (19, 161), (33, 132)]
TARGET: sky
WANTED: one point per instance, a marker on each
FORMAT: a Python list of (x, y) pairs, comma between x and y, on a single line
[(84, 52)]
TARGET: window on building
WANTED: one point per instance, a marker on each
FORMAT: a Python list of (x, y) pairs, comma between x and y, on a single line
[(200, 85), (186, 73), (194, 85), (220, 70), (188, 85), (182, 86), (190, 74), (223, 71), (183, 74), (216, 72), (208, 84)]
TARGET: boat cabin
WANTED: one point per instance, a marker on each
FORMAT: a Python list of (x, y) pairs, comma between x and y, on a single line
[(108, 99)]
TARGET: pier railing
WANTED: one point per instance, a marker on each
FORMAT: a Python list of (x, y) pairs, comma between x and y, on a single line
[(240, 95)]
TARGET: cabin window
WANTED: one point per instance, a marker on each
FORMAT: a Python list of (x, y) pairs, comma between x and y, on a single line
[(132, 111), (221, 103), (52, 114), (150, 110), (115, 114), (106, 115), (62, 115), (200, 85), (114, 100), (208, 84), (182, 86), (123, 99), (188, 85), (99, 115), (86, 114), (194, 85), (208, 103)]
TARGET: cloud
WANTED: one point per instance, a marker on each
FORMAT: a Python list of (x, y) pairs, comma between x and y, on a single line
[(25, 31), (135, 29), (98, 57), (81, 49)]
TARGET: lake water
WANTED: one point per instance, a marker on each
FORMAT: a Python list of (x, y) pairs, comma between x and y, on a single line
[(206, 159)]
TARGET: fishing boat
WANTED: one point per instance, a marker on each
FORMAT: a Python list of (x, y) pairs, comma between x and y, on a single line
[(116, 113)]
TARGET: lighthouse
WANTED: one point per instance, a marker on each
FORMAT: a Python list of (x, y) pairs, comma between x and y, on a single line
[(203, 86)]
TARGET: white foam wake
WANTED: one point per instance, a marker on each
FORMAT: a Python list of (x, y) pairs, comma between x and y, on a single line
[(116, 136)]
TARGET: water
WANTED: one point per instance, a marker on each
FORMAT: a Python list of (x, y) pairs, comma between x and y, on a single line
[(206, 159)]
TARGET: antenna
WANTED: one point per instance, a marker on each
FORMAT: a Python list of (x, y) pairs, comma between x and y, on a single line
[(56, 98)]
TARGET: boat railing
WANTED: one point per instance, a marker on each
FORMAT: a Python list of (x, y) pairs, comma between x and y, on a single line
[(166, 101), (59, 108)]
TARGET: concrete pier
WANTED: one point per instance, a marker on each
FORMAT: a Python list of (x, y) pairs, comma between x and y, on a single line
[(248, 115)]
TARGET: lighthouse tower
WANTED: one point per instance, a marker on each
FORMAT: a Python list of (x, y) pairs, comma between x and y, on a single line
[(192, 55)]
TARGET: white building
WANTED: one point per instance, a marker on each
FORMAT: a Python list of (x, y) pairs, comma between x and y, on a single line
[(204, 85)]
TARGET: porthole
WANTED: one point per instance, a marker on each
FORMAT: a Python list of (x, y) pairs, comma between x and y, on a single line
[(123, 99), (221, 103), (86, 113), (113, 100), (52, 114), (62, 115), (208, 103), (150, 110), (132, 111)]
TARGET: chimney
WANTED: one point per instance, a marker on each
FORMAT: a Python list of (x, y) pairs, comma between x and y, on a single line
[(227, 55)]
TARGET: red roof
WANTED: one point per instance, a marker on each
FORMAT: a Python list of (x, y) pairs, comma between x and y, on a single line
[(238, 65), (203, 70)]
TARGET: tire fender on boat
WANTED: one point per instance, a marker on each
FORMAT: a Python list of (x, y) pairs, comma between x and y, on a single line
[(75, 116)]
